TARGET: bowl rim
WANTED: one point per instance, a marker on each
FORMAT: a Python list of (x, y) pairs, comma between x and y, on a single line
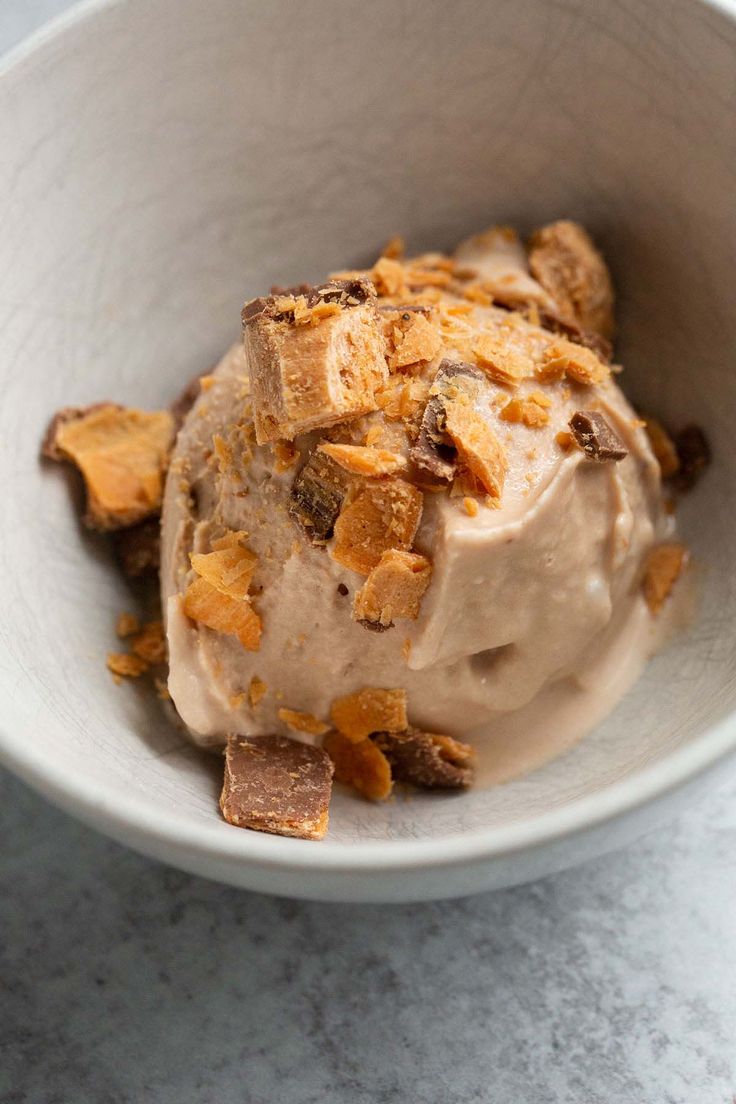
[(125, 814)]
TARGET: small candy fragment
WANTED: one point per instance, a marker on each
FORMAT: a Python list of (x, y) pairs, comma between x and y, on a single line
[(663, 567), (208, 606), (361, 765), (427, 759), (317, 495), (596, 438), (370, 710), (693, 452), (663, 447), (303, 722), (394, 589), (565, 358), (378, 516), (364, 460), (564, 260)]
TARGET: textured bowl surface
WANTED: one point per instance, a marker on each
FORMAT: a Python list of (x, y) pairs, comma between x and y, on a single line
[(162, 161)]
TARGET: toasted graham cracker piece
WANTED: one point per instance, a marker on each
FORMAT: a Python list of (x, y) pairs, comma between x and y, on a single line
[(566, 263), (394, 589), (315, 359), (364, 460), (361, 765), (370, 710), (277, 785), (376, 517), (317, 495), (663, 567), (208, 606), (427, 759), (122, 454)]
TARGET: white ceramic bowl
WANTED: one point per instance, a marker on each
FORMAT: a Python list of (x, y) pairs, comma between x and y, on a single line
[(160, 162)]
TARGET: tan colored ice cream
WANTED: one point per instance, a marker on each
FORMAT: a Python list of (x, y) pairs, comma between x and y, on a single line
[(533, 622)]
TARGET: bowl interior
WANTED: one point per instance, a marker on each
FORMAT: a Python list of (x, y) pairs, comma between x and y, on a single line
[(162, 162)]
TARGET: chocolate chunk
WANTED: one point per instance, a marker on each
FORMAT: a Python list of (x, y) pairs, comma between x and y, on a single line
[(694, 454), (342, 589), (595, 437), (433, 451), (277, 785), (317, 495), (138, 549), (427, 759), (348, 293), (374, 626)]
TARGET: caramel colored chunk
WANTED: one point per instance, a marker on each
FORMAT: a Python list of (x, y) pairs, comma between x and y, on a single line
[(370, 710), (500, 360), (415, 339), (303, 722), (394, 588), (277, 785), (257, 689), (361, 765), (565, 358), (531, 411), (229, 569), (427, 759), (663, 567), (379, 516), (663, 447), (127, 625), (564, 260), (479, 450), (124, 665), (311, 368), (208, 606), (433, 452), (122, 454), (150, 643), (364, 460)]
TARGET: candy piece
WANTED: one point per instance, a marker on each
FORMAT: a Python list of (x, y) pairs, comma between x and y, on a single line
[(361, 765), (663, 567), (427, 759), (394, 589), (433, 452), (378, 516), (277, 785), (566, 263), (124, 665), (663, 447), (122, 454), (370, 710), (565, 358), (500, 360), (317, 495), (208, 606), (531, 411), (150, 643), (315, 359), (257, 689), (362, 460), (694, 455), (479, 450), (228, 569), (596, 438), (415, 339), (303, 722)]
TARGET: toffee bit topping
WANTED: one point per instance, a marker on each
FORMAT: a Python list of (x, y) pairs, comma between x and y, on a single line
[(257, 690), (394, 589), (479, 450), (499, 360), (317, 495), (565, 358), (314, 359), (122, 454), (694, 456), (598, 344), (150, 643), (663, 447), (124, 665), (663, 567), (427, 759), (531, 411), (229, 569), (277, 785), (564, 260), (415, 339), (303, 722), (378, 516), (205, 604), (370, 710), (596, 438), (433, 451), (361, 765), (364, 460)]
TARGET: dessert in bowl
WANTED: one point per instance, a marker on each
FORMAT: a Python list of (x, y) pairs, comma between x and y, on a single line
[(102, 749)]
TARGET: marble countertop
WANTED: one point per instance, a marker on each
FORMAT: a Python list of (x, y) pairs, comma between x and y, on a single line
[(123, 982)]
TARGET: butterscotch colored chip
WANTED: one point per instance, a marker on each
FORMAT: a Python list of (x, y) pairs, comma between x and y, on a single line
[(122, 454), (427, 759), (394, 589), (568, 328), (388, 276), (531, 411), (138, 549), (564, 260), (364, 460), (395, 248), (361, 765), (565, 358), (500, 360), (150, 643), (314, 359), (370, 710), (127, 625), (257, 689), (208, 606), (433, 452), (596, 438), (303, 722), (479, 450), (663, 447), (317, 495), (229, 569), (663, 567), (415, 339), (379, 516), (273, 784), (125, 665)]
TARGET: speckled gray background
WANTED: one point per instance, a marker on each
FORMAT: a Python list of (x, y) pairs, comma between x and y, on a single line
[(123, 982)]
